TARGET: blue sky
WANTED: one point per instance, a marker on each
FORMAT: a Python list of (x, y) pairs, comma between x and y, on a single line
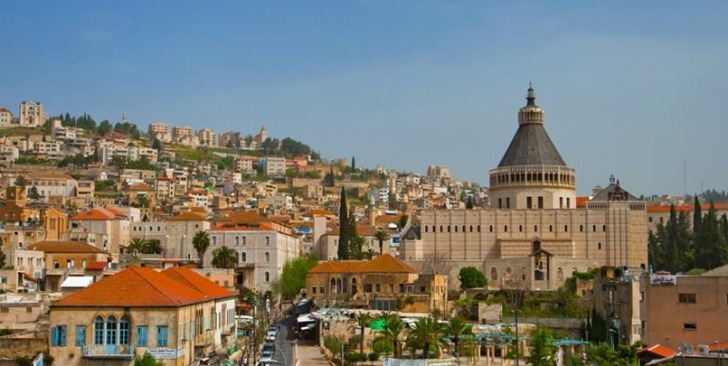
[(629, 88)]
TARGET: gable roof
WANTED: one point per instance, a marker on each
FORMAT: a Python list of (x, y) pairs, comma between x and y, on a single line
[(384, 263), (613, 190), (64, 247), (657, 350), (100, 213), (192, 279), (134, 287), (141, 187)]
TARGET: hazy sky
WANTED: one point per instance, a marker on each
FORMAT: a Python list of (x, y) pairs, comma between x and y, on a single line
[(629, 88)]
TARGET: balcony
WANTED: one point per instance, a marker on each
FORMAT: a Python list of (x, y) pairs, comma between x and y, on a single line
[(108, 352)]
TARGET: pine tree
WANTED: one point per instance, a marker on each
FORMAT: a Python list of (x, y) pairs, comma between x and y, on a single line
[(353, 163), (344, 233)]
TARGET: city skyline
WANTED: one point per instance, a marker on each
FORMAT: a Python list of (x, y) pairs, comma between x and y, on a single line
[(628, 89)]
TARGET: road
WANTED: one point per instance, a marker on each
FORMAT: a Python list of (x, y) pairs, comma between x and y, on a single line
[(285, 342)]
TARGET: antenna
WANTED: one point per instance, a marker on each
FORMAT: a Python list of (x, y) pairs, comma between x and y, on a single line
[(685, 180)]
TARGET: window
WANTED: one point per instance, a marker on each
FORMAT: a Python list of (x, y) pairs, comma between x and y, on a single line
[(214, 240), (599, 245), (267, 240), (686, 298), (267, 276), (313, 289), (529, 202), (111, 330), (508, 202), (244, 257), (142, 336), (500, 203), (540, 202), (267, 257), (367, 287), (99, 330), (378, 288), (237, 240), (505, 228), (124, 330), (4, 310), (581, 228), (604, 227), (80, 335), (58, 336), (690, 326), (566, 228), (162, 336), (551, 228), (28, 309)]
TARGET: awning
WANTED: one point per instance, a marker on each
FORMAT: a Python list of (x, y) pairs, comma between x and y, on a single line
[(29, 277), (306, 318)]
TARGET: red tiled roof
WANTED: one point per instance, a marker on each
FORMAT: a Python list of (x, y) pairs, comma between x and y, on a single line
[(106, 213), (192, 279), (64, 247), (141, 187), (658, 350), (686, 208), (96, 266), (581, 200), (134, 287), (384, 263)]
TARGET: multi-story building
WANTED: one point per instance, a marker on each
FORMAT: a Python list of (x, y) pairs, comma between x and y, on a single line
[(275, 166), (59, 132), (616, 295), (533, 235), (678, 310), (6, 117), (245, 164), (437, 171), (24, 272), (261, 246), (51, 186), (8, 154), (181, 134), (207, 137), (379, 283), (31, 114), (64, 258), (229, 139), (660, 214), (160, 130), (178, 316), (175, 233), (106, 228), (50, 150), (164, 189)]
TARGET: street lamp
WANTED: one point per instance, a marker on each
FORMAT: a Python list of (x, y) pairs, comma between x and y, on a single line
[(720, 353)]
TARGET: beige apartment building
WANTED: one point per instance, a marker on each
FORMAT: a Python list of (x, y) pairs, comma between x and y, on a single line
[(160, 130), (684, 309), (207, 137), (175, 233), (534, 235), (181, 133), (6, 117)]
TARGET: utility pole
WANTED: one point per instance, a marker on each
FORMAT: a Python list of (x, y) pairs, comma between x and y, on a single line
[(255, 330)]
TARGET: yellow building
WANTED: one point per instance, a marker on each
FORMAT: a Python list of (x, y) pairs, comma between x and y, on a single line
[(383, 283), (63, 258), (175, 315)]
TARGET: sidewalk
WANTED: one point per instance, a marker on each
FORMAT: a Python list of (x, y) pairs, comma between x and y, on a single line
[(309, 354)]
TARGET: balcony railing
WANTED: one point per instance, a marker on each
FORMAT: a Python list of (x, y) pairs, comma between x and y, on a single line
[(118, 351)]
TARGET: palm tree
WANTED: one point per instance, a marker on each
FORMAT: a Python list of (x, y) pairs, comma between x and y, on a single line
[(455, 329), (152, 246), (362, 320), (393, 330), (427, 332), (136, 245), (201, 241), (224, 257), (381, 236)]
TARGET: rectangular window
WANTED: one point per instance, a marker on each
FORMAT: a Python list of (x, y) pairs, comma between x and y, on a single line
[(142, 332), (529, 202), (80, 335), (58, 336), (162, 336), (378, 287), (686, 298), (500, 203), (4, 310), (313, 289), (690, 326), (540, 202), (508, 202)]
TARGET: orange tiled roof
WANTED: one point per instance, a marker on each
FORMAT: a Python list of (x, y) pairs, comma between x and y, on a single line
[(96, 266), (134, 287), (141, 187), (384, 263), (659, 350), (192, 279), (186, 216), (64, 247), (581, 200), (686, 208), (105, 213)]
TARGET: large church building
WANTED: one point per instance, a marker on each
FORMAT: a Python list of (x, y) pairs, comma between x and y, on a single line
[(535, 234)]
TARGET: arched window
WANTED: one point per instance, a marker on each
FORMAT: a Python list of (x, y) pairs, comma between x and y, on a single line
[(244, 257), (237, 240), (493, 274), (267, 257), (267, 240), (111, 330), (99, 330), (244, 240), (124, 330), (214, 240), (267, 276)]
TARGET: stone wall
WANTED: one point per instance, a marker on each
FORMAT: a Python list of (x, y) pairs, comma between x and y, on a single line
[(17, 345)]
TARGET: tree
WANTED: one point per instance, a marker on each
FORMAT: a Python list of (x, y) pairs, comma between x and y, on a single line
[(344, 233), (224, 257), (293, 276), (136, 245), (353, 163), (201, 241), (33, 193), (710, 245), (394, 328), (362, 320), (153, 246), (21, 182), (469, 205), (426, 333), (3, 258), (147, 360), (697, 215), (471, 277), (542, 347), (156, 144), (455, 329), (104, 128), (381, 236)]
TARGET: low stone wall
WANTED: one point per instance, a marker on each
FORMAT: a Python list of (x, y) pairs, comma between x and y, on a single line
[(28, 345)]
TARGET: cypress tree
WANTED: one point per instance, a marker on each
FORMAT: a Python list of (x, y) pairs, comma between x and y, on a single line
[(710, 246), (697, 216), (344, 231), (353, 163)]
